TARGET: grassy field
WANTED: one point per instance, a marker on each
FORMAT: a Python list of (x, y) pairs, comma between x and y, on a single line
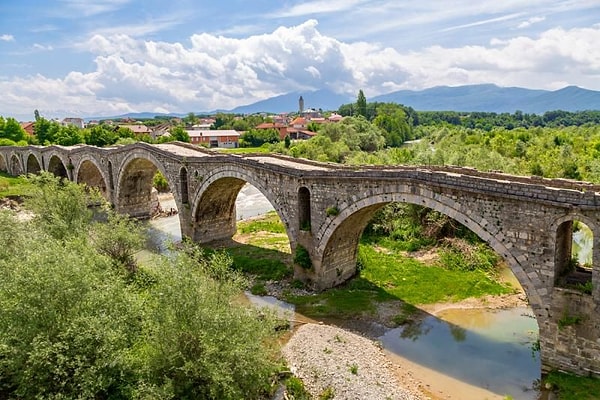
[(246, 150), (13, 186), (386, 274)]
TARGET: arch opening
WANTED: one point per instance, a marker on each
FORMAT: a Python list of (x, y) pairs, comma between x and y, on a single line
[(183, 181), (3, 165), (339, 249), (57, 167), (397, 257), (304, 215), (33, 166), (111, 182), (90, 175), (574, 256), (15, 166), (137, 196), (235, 213)]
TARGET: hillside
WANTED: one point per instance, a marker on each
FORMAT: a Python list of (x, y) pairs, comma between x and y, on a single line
[(493, 98)]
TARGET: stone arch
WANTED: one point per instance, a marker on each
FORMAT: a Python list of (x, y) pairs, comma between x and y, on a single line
[(33, 164), (57, 167), (16, 167), (213, 208), (3, 165), (562, 230), (339, 237), (88, 172), (135, 182)]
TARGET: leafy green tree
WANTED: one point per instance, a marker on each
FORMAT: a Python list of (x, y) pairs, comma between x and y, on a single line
[(392, 119), (66, 322), (101, 135), (180, 134), (119, 238), (361, 104), (60, 207), (258, 137), (11, 129), (46, 131), (313, 126), (190, 119), (68, 136)]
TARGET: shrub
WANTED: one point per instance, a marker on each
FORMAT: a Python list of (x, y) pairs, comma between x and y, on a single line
[(160, 183), (72, 327), (302, 257), (332, 211)]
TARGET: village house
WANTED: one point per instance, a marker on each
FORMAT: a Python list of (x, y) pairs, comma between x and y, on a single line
[(298, 129), (214, 138), (281, 128), (78, 122), (28, 127), (137, 129)]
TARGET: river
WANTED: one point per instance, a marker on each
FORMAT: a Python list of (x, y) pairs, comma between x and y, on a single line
[(458, 354)]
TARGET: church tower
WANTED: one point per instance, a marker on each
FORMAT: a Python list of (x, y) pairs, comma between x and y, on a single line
[(301, 104)]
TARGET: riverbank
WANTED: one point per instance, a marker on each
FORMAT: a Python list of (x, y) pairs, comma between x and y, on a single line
[(332, 360), (307, 352), (360, 308)]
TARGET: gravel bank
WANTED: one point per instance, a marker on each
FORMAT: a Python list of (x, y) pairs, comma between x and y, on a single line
[(354, 367)]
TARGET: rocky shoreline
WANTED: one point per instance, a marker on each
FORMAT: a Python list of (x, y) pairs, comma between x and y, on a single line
[(348, 366)]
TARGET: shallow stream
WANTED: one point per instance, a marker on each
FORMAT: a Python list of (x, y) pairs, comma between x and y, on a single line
[(460, 352)]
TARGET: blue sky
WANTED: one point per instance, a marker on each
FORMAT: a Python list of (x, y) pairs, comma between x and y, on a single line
[(107, 57)]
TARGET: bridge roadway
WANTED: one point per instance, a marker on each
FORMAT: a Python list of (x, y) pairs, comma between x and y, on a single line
[(325, 208)]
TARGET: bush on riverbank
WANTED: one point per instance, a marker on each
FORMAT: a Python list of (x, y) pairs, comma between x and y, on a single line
[(72, 325)]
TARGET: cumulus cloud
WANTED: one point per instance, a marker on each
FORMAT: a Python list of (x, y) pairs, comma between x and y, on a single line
[(220, 72), (7, 38)]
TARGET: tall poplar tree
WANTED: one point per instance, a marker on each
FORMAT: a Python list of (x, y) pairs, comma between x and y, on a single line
[(361, 104)]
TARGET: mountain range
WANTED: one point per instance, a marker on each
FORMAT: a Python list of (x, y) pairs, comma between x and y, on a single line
[(484, 97)]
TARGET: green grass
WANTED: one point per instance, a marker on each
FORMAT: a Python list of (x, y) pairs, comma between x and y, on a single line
[(386, 274), (13, 185), (246, 150), (270, 223), (416, 283), (338, 302), (571, 387)]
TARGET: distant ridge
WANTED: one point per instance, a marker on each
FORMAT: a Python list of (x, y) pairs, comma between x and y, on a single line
[(324, 99), (485, 97), (492, 98)]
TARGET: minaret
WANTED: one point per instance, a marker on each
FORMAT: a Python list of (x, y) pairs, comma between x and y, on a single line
[(301, 104)]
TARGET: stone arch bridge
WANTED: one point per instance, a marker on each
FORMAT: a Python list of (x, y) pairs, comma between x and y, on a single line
[(325, 207)]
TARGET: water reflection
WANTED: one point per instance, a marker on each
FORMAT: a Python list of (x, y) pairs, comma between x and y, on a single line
[(487, 349)]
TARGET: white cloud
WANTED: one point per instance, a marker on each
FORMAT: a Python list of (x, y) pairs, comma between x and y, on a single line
[(219, 72), (41, 47), (530, 21), (315, 7), (7, 38), (86, 8)]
